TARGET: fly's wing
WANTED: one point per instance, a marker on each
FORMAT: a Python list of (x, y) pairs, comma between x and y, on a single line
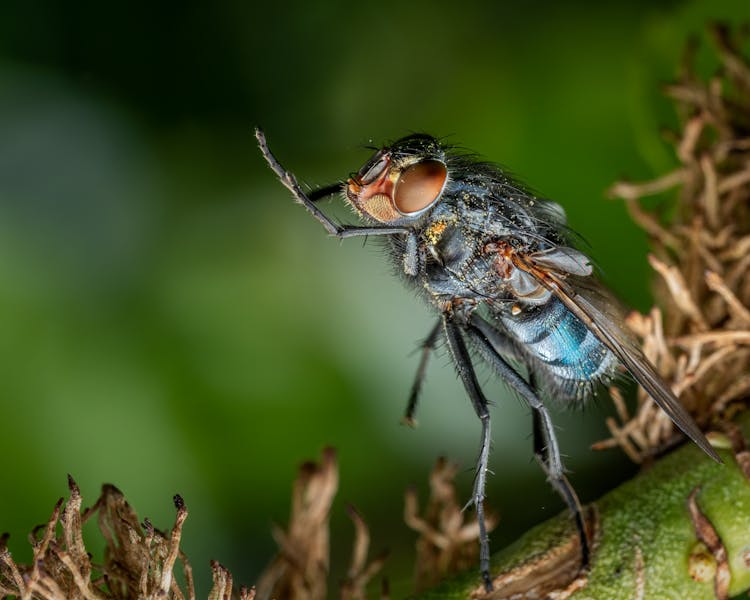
[(589, 303)]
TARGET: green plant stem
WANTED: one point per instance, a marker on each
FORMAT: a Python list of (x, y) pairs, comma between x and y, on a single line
[(646, 544)]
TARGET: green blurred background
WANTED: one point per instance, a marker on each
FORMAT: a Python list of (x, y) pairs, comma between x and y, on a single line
[(170, 321)]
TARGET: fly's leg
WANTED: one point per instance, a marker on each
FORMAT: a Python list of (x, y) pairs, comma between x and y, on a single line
[(428, 345), (546, 447), (462, 360), (543, 450), (323, 192), (411, 255), (290, 182)]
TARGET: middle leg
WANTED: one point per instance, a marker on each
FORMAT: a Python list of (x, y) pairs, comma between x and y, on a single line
[(546, 448), (462, 361)]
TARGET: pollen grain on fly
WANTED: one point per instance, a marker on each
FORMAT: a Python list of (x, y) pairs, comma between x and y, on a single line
[(434, 232)]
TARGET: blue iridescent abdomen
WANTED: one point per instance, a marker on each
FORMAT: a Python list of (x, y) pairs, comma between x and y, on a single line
[(570, 355)]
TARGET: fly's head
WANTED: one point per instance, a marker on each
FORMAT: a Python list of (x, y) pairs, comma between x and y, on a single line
[(400, 183)]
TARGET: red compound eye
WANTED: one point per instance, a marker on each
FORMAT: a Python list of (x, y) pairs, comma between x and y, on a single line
[(419, 186)]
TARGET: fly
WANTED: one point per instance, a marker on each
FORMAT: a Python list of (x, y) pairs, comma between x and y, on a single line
[(500, 268)]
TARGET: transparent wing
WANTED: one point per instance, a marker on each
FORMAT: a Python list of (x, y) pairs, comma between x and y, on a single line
[(594, 306)]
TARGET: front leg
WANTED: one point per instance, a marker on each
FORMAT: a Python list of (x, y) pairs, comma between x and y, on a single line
[(290, 182)]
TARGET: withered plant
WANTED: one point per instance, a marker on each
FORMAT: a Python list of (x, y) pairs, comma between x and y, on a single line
[(698, 335), (138, 561)]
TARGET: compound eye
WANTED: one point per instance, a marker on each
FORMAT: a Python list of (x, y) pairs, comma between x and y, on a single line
[(419, 186), (374, 171)]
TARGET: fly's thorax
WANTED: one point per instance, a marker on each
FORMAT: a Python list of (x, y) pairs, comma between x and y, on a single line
[(454, 265), (518, 283), (401, 183)]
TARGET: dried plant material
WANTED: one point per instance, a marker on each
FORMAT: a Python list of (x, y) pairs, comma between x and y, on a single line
[(701, 346), (680, 292), (447, 540), (360, 571), (707, 534), (247, 593), (222, 588), (300, 570), (138, 560), (736, 309), (738, 445)]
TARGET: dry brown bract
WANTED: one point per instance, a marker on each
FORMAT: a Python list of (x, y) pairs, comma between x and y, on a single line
[(138, 560), (700, 339), (301, 568)]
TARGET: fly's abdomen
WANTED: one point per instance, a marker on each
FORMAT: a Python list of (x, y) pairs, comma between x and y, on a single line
[(570, 357)]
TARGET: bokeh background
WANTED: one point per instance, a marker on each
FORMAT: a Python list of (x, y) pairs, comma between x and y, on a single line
[(171, 322)]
